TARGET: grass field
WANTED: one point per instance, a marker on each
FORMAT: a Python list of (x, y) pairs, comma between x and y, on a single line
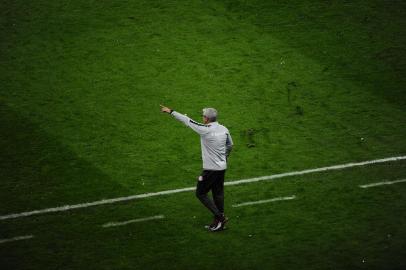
[(300, 85)]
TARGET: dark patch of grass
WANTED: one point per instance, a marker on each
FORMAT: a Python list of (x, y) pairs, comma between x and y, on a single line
[(39, 172)]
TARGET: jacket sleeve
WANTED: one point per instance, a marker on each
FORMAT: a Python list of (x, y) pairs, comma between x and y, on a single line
[(229, 144), (197, 127)]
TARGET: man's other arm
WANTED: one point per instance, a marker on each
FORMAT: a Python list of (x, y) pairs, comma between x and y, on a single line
[(229, 144)]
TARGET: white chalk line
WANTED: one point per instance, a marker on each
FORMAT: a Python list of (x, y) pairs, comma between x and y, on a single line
[(382, 183), (173, 191), (17, 238), (95, 203), (265, 201), (113, 224)]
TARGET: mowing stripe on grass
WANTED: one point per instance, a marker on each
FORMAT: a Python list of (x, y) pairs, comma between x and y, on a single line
[(112, 224), (265, 201), (382, 183), (172, 191), (17, 238)]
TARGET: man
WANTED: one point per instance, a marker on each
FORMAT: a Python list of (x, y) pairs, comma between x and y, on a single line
[(216, 144)]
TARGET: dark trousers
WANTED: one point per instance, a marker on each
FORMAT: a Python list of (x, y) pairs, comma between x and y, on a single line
[(214, 181)]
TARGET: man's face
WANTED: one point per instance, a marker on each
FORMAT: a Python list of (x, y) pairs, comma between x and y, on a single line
[(205, 119)]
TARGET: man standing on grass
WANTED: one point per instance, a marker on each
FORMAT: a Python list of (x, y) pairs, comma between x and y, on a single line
[(216, 146)]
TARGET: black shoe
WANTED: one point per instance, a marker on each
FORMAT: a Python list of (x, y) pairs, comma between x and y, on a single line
[(219, 225), (212, 225)]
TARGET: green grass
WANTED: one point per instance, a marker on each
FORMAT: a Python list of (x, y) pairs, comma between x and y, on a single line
[(331, 224), (298, 85)]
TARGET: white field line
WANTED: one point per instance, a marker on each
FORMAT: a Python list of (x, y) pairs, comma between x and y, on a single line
[(18, 238), (112, 224), (95, 203), (166, 192), (265, 201), (382, 183)]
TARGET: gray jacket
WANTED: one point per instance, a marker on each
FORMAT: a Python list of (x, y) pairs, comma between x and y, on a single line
[(216, 142)]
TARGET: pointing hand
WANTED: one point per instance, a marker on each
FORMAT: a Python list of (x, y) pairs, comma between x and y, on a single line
[(165, 109)]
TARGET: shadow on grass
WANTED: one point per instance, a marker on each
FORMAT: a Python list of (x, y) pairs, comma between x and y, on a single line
[(362, 41), (37, 171)]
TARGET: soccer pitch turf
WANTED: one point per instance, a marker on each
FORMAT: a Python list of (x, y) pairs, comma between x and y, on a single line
[(300, 85)]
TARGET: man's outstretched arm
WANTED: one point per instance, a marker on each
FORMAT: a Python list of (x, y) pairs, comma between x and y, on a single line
[(197, 127)]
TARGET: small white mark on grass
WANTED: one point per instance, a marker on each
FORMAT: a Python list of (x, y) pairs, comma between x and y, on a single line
[(113, 224), (382, 183), (17, 238), (265, 201)]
